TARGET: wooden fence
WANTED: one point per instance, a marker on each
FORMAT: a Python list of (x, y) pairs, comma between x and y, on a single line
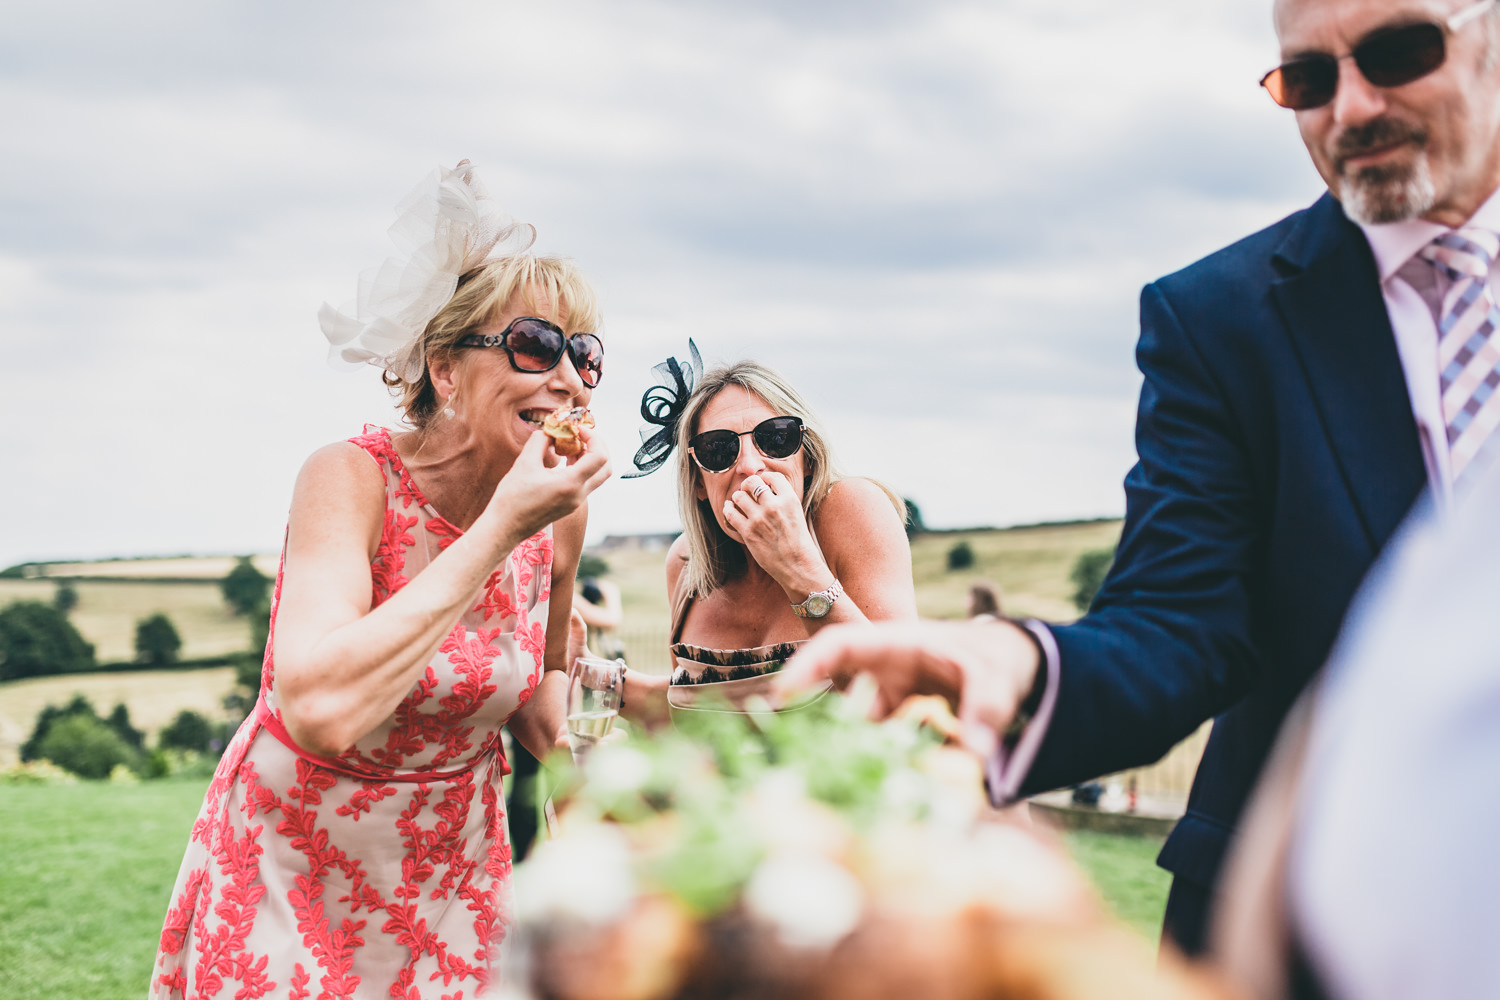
[(1169, 779), (646, 650)]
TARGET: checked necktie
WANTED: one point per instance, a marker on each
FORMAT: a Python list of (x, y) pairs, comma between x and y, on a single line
[(1468, 349)]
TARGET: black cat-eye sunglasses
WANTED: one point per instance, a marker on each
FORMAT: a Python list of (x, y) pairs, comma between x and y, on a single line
[(718, 450)]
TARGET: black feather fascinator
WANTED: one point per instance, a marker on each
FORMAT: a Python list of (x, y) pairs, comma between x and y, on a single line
[(661, 408)]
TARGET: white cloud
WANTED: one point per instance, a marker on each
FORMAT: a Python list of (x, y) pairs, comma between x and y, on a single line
[(916, 210)]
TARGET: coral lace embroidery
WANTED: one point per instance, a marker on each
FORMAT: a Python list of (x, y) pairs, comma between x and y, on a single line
[(383, 872)]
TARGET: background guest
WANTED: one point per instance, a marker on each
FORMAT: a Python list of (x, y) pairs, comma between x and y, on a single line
[(776, 544), (598, 603), (984, 601)]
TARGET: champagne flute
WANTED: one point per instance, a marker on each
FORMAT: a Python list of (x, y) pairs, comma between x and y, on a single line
[(595, 686)]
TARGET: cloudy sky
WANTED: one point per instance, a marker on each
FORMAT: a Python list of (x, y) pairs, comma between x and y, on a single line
[(934, 217)]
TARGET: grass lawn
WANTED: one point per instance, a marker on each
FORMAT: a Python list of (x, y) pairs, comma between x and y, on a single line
[(89, 868), (83, 890), (1124, 869)]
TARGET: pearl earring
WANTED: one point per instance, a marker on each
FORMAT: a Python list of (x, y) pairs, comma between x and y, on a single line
[(448, 406)]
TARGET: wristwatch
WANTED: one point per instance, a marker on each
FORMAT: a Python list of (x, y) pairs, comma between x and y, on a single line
[(819, 603)]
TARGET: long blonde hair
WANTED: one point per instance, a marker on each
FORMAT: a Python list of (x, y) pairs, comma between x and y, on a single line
[(482, 296), (713, 557)]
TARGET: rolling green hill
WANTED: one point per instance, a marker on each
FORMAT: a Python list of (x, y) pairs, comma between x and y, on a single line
[(1030, 565)]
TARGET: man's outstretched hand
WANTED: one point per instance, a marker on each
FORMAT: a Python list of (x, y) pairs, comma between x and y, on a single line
[(985, 669)]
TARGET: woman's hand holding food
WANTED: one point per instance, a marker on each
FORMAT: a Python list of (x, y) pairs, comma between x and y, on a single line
[(541, 487), (767, 515)]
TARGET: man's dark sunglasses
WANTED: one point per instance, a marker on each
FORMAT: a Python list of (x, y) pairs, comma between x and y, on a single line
[(1387, 57), (535, 345), (718, 450)]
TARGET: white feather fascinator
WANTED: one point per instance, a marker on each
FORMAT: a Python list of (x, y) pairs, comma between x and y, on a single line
[(447, 226)]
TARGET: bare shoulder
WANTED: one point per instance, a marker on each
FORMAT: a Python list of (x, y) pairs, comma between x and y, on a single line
[(860, 501), (864, 541), (858, 520), (343, 463), (339, 488)]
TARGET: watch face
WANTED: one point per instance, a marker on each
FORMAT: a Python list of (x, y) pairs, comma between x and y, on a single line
[(817, 605)]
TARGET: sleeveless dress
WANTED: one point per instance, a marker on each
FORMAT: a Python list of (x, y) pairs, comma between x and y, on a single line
[(383, 872), (724, 680)]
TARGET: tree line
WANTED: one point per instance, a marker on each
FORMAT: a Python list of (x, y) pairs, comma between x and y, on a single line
[(75, 738), (38, 639)]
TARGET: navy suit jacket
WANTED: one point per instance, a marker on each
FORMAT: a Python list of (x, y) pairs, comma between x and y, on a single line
[(1277, 455)]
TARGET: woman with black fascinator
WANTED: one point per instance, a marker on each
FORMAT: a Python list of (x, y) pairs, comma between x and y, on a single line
[(775, 545)]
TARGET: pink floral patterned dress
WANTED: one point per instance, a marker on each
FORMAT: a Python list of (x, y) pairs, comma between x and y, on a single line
[(384, 872)]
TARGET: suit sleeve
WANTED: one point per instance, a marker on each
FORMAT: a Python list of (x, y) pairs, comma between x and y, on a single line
[(1167, 643)]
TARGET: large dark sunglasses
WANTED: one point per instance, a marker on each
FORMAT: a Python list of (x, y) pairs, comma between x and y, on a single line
[(535, 345), (717, 451), (1387, 57)]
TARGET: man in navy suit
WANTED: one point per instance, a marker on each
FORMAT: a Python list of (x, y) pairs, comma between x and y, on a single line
[(1299, 395)]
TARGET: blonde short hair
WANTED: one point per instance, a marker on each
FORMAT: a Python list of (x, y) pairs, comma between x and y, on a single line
[(483, 295), (712, 555)]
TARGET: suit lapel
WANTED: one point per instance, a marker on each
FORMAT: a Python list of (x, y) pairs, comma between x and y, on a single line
[(1331, 302)]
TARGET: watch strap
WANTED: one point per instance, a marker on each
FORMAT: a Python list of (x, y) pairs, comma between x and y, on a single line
[(830, 594)]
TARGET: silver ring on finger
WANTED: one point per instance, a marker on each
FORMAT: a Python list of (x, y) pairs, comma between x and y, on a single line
[(762, 488)]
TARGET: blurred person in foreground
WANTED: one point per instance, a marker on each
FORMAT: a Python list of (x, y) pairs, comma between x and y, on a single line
[(1343, 883), (1301, 388), (353, 841), (776, 544)]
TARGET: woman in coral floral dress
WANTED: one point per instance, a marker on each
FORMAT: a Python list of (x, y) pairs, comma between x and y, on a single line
[(353, 841)]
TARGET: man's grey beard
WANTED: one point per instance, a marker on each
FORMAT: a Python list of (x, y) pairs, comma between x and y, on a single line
[(1389, 193)]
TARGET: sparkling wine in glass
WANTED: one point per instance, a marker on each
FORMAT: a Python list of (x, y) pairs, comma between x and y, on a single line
[(594, 689)]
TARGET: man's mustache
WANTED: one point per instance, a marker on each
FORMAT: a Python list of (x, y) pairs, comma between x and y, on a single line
[(1378, 134)]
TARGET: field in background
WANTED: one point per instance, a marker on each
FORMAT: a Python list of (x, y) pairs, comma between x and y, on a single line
[(112, 597), (108, 610), (641, 575), (154, 697), (168, 568), (1031, 567)]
